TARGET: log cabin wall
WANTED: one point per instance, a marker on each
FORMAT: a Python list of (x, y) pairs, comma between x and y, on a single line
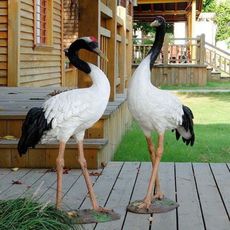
[(40, 65), (22, 63), (3, 42), (70, 26)]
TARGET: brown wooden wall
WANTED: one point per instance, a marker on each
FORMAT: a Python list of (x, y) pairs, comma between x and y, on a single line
[(40, 67), (23, 64), (70, 22), (70, 27), (3, 41), (173, 74)]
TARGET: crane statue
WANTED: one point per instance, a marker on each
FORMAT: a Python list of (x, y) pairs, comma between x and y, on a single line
[(156, 110), (68, 114)]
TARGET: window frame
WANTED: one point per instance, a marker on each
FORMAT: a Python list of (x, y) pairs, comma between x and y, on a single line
[(45, 31)]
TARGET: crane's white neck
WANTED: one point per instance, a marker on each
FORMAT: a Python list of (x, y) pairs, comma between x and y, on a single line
[(100, 81)]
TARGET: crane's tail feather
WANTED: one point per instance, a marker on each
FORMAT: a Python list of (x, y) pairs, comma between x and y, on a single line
[(186, 129), (33, 128)]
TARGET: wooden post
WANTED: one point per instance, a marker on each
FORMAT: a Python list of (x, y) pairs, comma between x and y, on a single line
[(62, 46), (129, 52), (165, 50), (202, 49), (89, 24), (189, 26), (193, 24), (13, 43), (122, 50), (111, 53)]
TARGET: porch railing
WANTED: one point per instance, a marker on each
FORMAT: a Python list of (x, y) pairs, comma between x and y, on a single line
[(174, 50), (194, 51), (218, 59)]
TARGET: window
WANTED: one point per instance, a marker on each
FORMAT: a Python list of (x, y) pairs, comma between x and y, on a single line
[(43, 23)]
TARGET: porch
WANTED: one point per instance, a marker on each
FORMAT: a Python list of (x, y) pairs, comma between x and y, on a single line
[(201, 189), (100, 142)]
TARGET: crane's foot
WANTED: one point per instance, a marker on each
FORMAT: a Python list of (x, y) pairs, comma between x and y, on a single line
[(102, 209), (155, 206), (158, 196)]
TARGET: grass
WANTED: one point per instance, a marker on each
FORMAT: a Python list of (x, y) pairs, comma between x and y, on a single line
[(27, 213), (210, 85), (212, 128)]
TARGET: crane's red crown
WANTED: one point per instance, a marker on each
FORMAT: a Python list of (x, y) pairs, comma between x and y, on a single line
[(93, 38)]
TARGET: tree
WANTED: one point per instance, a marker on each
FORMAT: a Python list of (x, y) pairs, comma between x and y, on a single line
[(146, 28), (209, 5), (222, 11), (223, 21)]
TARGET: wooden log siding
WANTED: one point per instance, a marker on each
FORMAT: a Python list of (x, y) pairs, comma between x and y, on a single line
[(104, 48), (3, 42), (70, 24), (40, 66)]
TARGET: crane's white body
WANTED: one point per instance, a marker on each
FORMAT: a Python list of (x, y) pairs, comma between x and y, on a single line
[(72, 112), (154, 109)]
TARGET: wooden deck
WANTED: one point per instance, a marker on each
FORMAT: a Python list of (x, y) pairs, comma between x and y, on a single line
[(202, 190)]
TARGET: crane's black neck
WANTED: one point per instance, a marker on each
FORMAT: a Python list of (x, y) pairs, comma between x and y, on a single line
[(73, 56), (157, 45)]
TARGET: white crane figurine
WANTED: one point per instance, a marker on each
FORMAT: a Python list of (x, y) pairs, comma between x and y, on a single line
[(156, 110), (69, 114)]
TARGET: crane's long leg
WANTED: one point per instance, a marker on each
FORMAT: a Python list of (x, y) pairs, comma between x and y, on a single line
[(158, 194), (60, 165), (83, 164), (148, 198)]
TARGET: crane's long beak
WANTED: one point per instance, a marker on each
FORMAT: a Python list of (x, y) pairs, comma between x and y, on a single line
[(155, 23), (100, 53)]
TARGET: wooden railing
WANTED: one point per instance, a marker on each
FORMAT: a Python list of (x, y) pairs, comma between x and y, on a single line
[(218, 59), (174, 50), (185, 51)]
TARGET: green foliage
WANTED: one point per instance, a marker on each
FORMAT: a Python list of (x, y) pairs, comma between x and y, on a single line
[(212, 127), (26, 214), (209, 5), (222, 11), (223, 21), (146, 28)]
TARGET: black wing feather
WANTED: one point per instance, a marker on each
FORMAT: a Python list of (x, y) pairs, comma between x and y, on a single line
[(33, 128), (187, 123)]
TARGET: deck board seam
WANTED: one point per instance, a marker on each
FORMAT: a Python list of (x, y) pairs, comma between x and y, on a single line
[(130, 198), (9, 187), (93, 183), (228, 167), (175, 182), (71, 186), (33, 183), (198, 195), (112, 188), (218, 189)]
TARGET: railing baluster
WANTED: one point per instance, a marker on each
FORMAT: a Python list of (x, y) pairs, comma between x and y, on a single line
[(178, 51)]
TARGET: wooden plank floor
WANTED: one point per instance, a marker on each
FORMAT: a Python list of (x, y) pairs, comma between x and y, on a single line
[(202, 190)]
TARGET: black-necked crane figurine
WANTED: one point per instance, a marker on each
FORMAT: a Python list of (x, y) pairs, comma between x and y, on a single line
[(68, 114), (156, 110)]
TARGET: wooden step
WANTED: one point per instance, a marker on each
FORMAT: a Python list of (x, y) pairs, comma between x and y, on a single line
[(44, 155), (15, 104), (88, 143)]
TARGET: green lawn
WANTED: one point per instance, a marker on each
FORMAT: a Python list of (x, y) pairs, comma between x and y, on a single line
[(212, 129), (210, 85)]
